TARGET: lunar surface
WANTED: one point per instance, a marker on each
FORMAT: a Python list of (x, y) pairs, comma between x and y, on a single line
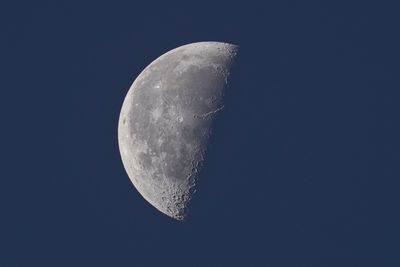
[(166, 121)]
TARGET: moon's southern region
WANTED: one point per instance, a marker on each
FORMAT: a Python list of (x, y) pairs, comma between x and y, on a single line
[(166, 120)]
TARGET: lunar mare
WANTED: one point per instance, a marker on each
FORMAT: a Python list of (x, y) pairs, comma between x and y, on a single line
[(166, 120)]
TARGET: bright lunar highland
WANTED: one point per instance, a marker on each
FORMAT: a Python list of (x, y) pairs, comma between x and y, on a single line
[(166, 121)]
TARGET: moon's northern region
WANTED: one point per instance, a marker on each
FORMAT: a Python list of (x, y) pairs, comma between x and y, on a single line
[(166, 119)]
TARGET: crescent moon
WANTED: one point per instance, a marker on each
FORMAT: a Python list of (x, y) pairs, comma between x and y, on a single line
[(166, 120)]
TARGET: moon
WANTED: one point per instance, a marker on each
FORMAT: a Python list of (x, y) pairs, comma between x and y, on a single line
[(166, 120)]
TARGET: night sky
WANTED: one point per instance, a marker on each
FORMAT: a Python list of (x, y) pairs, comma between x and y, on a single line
[(302, 169)]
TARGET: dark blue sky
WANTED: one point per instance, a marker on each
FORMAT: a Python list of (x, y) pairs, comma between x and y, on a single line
[(303, 168)]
